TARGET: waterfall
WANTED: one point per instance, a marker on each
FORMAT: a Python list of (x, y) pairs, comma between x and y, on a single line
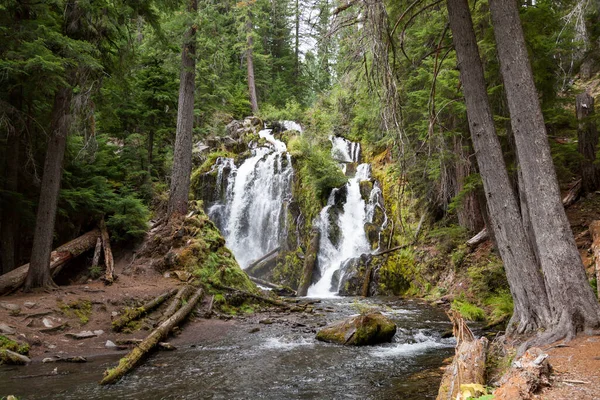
[(344, 150), (352, 241), (252, 214)]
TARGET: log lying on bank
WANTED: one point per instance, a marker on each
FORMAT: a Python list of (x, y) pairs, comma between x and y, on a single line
[(173, 306), (135, 313), (467, 371), (109, 276), (479, 238), (14, 279), (260, 266), (595, 233), (267, 300), (129, 362), (278, 289), (572, 194)]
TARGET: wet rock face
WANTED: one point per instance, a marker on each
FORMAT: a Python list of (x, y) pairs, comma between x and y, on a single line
[(362, 330)]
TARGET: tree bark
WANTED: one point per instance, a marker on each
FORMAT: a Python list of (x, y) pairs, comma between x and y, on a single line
[(297, 13), (182, 156), (309, 263), (573, 303), (135, 313), (108, 256), (250, 65), (39, 270), (531, 307), (97, 251), (129, 362), (587, 135), (595, 233), (10, 217), (59, 257)]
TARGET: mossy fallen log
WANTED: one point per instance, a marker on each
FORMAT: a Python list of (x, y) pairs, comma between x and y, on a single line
[(175, 303), (135, 313), (265, 299), (129, 362)]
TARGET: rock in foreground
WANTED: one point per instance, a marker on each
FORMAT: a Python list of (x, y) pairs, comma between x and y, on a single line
[(362, 330)]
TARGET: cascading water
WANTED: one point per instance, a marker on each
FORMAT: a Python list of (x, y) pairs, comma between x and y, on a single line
[(353, 240), (252, 213), (342, 231)]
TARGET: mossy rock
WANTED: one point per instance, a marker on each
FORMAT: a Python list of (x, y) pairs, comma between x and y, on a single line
[(12, 345), (362, 330), (372, 232), (365, 189)]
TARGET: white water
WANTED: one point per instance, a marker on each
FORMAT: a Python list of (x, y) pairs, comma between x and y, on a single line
[(252, 216), (344, 150), (353, 241), (291, 126)]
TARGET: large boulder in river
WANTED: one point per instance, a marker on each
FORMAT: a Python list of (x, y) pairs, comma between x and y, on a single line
[(361, 330)]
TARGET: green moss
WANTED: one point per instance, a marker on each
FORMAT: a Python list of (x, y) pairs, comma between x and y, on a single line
[(399, 272), (468, 311), (81, 309), (501, 305), (13, 345)]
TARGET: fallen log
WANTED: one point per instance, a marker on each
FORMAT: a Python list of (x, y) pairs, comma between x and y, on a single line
[(466, 374), (479, 238), (175, 303), (108, 256), (309, 263), (129, 362), (393, 249), (274, 302), (14, 279), (572, 194), (278, 289), (595, 233), (135, 313), (258, 267)]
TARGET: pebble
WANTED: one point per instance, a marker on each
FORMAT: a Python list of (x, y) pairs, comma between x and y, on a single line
[(81, 335), (6, 330), (110, 345), (98, 332), (30, 304), (47, 323), (10, 306)]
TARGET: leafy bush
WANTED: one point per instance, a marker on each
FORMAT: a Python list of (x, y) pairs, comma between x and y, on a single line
[(129, 219)]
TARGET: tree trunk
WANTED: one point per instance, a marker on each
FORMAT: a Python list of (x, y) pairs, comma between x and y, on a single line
[(573, 303), (97, 251), (39, 270), (109, 262), (10, 217), (309, 263), (595, 234), (297, 40), (250, 65), (468, 213), (531, 310), (59, 257), (182, 156), (587, 136)]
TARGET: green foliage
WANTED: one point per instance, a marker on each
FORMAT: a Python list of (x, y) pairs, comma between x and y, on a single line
[(501, 305), (398, 272), (468, 311), (291, 112), (318, 171), (12, 345)]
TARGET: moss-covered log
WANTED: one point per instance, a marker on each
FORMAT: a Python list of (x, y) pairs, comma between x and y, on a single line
[(135, 313), (14, 279), (264, 299), (175, 303), (129, 362)]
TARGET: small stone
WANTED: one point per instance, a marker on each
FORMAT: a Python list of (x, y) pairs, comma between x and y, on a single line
[(6, 330), (114, 314), (265, 321), (110, 345), (30, 304), (49, 360), (10, 306), (254, 330), (51, 346), (47, 323), (81, 335), (98, 332)]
